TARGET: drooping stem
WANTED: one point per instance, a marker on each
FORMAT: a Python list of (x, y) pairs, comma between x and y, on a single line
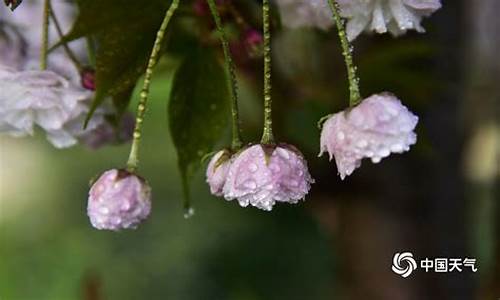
[(45, 35), (67, 49), (354, 94), (230, 76), (133, 159), (267, 135)]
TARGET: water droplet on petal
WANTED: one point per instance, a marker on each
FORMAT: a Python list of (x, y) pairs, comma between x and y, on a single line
[(283, 153), (104, 210), (275, 168), (384, 152), (362, 143), (340, 135), (397, 148), (125, 206), (250, 184), (253, 167)]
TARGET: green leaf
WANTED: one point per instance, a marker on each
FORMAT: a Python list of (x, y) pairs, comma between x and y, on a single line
[(124, 31), (198, 111)]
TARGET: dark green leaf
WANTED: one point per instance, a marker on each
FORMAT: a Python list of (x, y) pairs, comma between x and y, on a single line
[(198, 110), (124, 32)]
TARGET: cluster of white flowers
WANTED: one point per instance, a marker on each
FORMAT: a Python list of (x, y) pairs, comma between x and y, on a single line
[(381, 16), (54, 99)]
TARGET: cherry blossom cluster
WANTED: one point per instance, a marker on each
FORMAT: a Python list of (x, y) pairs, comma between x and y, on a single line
[(57, 100)]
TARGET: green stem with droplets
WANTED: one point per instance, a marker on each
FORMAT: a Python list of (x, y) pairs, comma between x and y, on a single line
[(67, 49), (230, 77), (45, 35), (133, 159), (354, 94), (267, 135)]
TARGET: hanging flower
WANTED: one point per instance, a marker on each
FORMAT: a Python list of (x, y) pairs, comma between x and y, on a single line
[(395, 16), (305, 13), (118, 200), (217, 171), (47, 100), (262, 175), (374, 129)]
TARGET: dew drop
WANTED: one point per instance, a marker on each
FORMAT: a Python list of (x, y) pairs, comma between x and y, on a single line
[(253, 167), (397, 148), (104, 210), (340, 135), (283, 153), (384, 152), (125, 206), (362, 143), (250, 184), (188, 212), (275, 168)]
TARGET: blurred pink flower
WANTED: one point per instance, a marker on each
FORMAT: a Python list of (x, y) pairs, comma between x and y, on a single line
[(395, 16), (47, 100), (379, 125), (305, 13), (118, 200), (217, 171), (263, 174)]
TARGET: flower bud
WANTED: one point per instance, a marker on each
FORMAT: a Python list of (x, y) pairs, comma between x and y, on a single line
[(263, 174), (88, 79), (378, 126), (118, 200), (217, 171)]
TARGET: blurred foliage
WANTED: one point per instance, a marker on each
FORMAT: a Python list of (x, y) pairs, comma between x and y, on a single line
[(50, 251)]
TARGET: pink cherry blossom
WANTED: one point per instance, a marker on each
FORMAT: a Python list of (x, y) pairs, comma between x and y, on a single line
[(217, 170), (47, 100), (262, 175), (378, 126), (118, 200)]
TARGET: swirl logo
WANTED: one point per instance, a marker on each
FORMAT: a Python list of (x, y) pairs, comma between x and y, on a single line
[(403, 264)]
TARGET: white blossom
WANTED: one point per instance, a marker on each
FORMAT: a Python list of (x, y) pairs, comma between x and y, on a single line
[(47, 100), (381, 16)]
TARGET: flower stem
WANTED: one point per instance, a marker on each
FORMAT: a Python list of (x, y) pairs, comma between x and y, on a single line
[(133, 159), (45, 35), (67, 49), (267, 135), (354, 94), (230, 77)]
